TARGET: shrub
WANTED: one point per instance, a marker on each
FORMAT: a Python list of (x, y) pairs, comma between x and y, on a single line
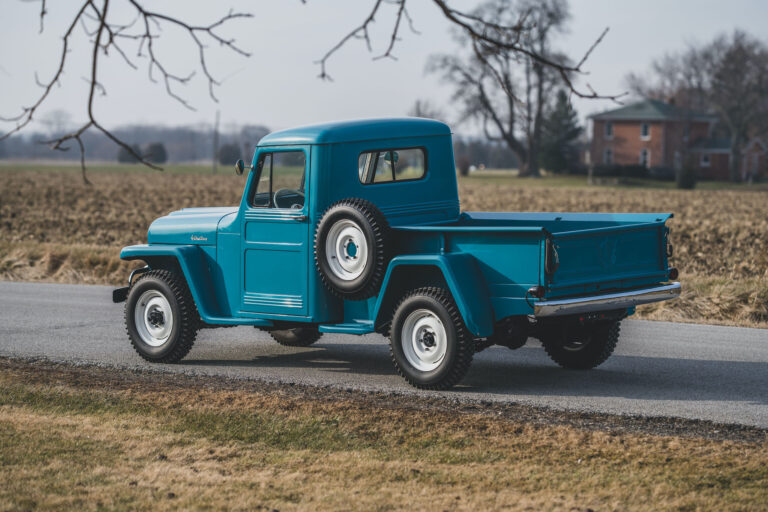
[(126, 157), (156, 153), (686, 177), (228, 154)]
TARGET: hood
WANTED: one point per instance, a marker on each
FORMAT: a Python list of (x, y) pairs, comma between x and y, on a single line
[(188, 226)]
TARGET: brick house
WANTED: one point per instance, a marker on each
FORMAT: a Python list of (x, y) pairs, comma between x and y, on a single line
[(658, 135)]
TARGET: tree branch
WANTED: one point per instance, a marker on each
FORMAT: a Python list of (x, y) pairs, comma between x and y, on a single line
[(107, 35)]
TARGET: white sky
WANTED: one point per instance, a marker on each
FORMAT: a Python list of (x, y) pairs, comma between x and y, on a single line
[(278, 85)]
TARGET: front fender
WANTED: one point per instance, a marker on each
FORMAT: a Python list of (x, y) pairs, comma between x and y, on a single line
[(193, 264), (464, 280)]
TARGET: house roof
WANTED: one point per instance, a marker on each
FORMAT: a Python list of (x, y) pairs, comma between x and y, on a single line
[(651, 110), (357, 130)]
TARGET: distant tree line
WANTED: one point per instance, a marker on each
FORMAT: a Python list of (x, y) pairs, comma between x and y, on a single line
[(157, 144)]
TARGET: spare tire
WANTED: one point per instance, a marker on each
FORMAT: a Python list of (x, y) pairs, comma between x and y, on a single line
[(352, 248)]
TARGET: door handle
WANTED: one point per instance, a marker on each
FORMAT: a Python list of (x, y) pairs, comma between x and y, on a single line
[(300, 218)]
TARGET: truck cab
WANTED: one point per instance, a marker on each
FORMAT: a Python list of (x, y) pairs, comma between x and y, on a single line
[(356, 227)]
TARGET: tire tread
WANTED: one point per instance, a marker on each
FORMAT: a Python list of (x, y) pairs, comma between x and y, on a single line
[(465, 341), (607, 346), (189, 321), (380, 228), (308, 337)]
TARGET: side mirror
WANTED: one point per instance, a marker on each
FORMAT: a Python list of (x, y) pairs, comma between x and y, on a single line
[(239, 167)]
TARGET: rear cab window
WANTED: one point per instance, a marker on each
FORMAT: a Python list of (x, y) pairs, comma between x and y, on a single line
[(388, 165)]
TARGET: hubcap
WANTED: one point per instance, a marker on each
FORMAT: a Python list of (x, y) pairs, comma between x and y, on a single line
[(424, 340), (153, 318), (346, 250)]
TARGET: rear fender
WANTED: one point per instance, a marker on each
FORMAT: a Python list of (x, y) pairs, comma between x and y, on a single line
[(187, 259), (458, 272)]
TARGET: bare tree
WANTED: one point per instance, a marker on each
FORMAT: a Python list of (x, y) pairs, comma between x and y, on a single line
[(107, 33), (509, 34), (729, 76), (425, 109), (142, 34), (507, 91)]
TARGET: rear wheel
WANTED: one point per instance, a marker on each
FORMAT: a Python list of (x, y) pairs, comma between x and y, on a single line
[(296, 337), (580, 347), (161, 317), (430, 346)]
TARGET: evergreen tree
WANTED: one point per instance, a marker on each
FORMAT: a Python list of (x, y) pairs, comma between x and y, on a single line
[(156, 153), (126, 157), (559, 148), (228, 154)]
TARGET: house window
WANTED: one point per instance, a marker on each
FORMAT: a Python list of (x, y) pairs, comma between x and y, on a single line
[(704, 162), (608, 156), (645, 157), (645, 131), (608, 130)]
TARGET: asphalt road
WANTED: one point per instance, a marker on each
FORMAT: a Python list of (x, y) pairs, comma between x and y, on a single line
[(659, 368)]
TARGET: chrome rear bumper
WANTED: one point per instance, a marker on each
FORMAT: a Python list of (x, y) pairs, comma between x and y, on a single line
[(606, 302)]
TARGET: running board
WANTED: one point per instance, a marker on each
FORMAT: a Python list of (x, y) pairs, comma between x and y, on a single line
[(349, 328)]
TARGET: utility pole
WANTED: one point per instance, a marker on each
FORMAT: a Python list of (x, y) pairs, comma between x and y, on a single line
[(216, 143)]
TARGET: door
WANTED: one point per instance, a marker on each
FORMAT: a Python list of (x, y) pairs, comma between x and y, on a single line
[(276, 234)]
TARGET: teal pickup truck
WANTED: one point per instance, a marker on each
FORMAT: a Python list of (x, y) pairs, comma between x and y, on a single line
[(355, 227)]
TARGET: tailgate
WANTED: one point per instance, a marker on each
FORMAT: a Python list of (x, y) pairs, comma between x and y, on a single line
[(615, 257)]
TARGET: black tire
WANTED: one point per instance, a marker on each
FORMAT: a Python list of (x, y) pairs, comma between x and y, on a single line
[(296, 337), (580, 347), (460, 345), (372, 223), (185, 323)]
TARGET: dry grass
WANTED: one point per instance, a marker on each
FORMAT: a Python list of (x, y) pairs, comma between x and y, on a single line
[(53, 228), (87, 440)]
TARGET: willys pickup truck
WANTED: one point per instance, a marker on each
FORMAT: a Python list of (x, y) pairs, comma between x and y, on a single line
[(355, 227)]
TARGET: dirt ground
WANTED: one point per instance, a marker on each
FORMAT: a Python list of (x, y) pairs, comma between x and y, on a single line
[(54, 228)]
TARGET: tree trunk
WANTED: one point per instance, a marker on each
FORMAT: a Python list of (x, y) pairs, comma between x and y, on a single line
[(735, 159), (534, 141)]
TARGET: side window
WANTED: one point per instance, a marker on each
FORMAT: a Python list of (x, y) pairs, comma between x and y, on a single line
[(261, 195), (383, 170), (391, 165), (281, 180)]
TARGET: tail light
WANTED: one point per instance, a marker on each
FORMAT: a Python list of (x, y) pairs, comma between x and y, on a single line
[(536, 291), (673, 273)]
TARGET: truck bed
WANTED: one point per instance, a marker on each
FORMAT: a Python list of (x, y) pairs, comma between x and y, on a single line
[(576, 254)]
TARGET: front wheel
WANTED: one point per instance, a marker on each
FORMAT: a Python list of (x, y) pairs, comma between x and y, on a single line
[(161, 317), (429, 343), (580, 347)]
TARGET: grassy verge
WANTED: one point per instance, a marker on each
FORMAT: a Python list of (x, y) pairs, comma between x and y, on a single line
[(89, 439)]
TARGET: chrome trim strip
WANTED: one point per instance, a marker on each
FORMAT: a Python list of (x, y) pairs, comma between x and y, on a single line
[(606, 302)]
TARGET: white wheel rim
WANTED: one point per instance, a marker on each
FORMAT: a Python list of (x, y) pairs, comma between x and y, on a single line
[(346, 250), (153, 317), (424, 340)]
